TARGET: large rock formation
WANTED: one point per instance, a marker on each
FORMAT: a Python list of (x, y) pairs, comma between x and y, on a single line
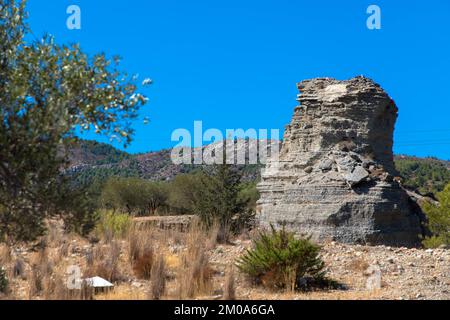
[(335, 176)]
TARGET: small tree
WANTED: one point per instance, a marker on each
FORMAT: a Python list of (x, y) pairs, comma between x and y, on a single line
[(279, 260), (218, 199), (438, 216), (156, 195), (134, 195)]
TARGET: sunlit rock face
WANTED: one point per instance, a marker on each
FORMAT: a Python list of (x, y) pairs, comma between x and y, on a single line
[(335, 176)]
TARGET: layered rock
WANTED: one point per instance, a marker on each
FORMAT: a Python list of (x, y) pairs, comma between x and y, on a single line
[(335, 176)]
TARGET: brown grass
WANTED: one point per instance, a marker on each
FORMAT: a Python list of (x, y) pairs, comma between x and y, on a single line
[(5, 254), (158, 279), (141, 252), (194, 277), (142, 266), (105, 263), (175, 264), (229, 290), (358, 265)]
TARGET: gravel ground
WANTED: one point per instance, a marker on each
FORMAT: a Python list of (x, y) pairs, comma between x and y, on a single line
[(405, 273)]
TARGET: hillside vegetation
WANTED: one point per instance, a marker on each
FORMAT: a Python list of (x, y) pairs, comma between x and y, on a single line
[(93, 163), (428, 176)]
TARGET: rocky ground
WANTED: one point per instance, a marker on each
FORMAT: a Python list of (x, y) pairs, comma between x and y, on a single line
[(406, 273)]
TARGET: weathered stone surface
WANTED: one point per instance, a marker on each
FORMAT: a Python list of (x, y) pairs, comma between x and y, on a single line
[(334, 178), (357, 175)]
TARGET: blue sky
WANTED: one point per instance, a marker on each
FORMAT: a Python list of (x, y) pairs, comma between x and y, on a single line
[(235, 63)]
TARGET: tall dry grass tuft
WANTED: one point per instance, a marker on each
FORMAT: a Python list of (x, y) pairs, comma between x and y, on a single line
[(194, 276), (5, 254), (35, 283), (141, 251), (158, 279), (229, 290), (104, 262), (41, 271)]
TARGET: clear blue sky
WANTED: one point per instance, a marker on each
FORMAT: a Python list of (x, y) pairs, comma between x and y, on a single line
[(235, 63)]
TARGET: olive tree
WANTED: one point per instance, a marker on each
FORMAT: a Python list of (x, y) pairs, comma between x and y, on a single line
[(49, 92)]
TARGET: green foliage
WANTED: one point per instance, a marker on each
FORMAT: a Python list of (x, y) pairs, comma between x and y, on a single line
[(438, 216), (424, 175), (47, 92), (218, 199), (184, 191), (3, 281), (113, 225), (134, 195), (279, 260), (216, 196), (249, 194)]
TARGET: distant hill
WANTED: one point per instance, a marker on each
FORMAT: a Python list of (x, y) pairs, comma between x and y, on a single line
[(90, 152), (423, 175), (93, 162)]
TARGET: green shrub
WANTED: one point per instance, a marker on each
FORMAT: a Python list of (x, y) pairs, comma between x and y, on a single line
[(438, 216), (113, 225), (3, 281), (279, 260)]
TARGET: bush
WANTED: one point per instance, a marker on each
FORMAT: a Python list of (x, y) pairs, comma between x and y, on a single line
[(279, 260), (249, 195), (3, 281), (438, 217), (113, 225)]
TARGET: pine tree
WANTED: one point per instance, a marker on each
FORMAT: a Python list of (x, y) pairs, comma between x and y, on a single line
[(218, 198)]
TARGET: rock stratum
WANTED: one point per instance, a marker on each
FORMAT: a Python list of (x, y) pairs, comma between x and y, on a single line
[(335, 178)]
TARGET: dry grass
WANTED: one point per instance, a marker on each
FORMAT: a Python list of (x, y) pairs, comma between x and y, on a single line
[(158, 279), (105, 263), (229, 292), (41, 271), (122, 292), (35, 285), (5, 254), (194, 276), (143, 264), (358, 265), (171, 263), (141, 252)]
